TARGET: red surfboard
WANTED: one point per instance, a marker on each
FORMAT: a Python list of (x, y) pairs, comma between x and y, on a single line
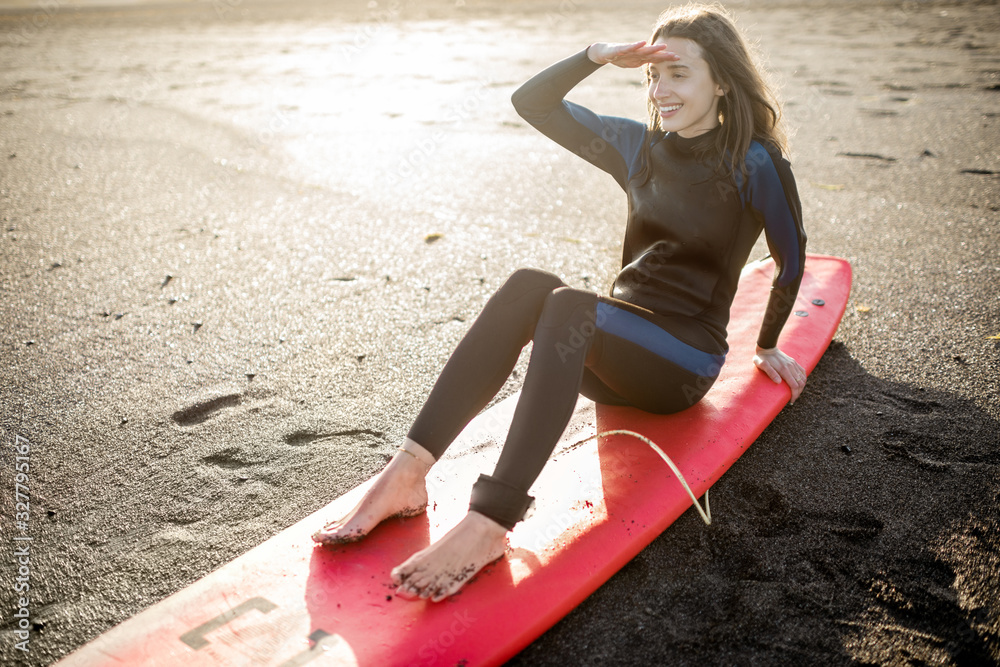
[(599, 501)]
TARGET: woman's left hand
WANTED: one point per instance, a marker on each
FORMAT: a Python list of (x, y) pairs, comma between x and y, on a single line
[(779, 366)]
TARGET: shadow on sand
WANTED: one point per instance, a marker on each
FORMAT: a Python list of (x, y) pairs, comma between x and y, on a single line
[(860, 528)]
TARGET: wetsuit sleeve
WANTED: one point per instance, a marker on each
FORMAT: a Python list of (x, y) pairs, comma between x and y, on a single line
[(608, 142), (772, 194)]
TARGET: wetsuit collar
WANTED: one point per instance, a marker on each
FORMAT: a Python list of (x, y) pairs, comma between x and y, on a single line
[(701, 142)]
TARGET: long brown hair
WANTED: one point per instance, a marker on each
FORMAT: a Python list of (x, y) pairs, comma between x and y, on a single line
[(749, 110)]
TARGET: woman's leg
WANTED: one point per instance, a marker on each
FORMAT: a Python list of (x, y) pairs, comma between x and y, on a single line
[(624, 355), (562, 339), (577, 333), (484, 359), (562, 344), (472, 376)]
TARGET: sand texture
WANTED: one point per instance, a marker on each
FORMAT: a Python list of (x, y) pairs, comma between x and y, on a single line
[(240, 239)]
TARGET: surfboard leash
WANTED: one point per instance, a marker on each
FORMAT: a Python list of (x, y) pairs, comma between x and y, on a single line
[(706, 513)]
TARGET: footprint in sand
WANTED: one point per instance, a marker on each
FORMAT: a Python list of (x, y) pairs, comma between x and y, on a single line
[(306, 437), (867, 156), (215, 402), (912, 405), (204, 410), (230, 458), (878, 113)]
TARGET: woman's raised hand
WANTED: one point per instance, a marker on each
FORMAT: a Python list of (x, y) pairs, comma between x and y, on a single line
[(635, 54), (779, 366)]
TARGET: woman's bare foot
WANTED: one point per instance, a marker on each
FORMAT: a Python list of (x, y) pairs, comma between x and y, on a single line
[(399, 491), (443, 568)]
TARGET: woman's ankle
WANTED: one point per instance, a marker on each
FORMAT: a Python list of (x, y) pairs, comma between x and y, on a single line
[(418, 452), (487, 524), (411, 461)]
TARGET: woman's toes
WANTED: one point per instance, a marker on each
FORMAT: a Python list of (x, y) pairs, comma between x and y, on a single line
[(323, 535), (336, 534), (435, 592), (441, 569), (406, 577), (410, 590), (404, 591), (400, 574), (443, 593)]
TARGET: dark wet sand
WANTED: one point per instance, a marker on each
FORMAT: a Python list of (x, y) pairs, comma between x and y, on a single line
[(239, 240)]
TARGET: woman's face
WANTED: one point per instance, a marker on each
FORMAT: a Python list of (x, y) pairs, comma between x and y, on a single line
[(683, 90)]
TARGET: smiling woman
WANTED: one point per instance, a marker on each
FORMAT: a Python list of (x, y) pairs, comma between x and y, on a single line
[(658, 341), (684, 92), (735, 92)]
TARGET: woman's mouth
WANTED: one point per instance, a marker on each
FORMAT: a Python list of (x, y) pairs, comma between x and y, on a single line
[(669, 110)]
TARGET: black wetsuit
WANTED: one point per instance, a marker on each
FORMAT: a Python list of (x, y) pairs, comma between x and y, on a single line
[(659, 341)]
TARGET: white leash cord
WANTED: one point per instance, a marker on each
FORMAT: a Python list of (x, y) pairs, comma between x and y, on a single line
[(706, 514)]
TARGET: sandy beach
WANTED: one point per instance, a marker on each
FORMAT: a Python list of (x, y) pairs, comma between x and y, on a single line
[(239, 240)]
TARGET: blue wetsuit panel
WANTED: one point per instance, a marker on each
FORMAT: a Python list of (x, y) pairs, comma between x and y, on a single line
[(642, 332)]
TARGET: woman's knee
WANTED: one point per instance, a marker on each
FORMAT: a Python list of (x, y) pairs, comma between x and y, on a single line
[(529, 282), (568, 323), (529, 278), (571, 306)]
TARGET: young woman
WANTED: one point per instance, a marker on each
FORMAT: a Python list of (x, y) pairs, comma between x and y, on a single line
[(703, 179)]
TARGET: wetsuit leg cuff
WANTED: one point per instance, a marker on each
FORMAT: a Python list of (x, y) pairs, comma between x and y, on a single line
[(504, 503)]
